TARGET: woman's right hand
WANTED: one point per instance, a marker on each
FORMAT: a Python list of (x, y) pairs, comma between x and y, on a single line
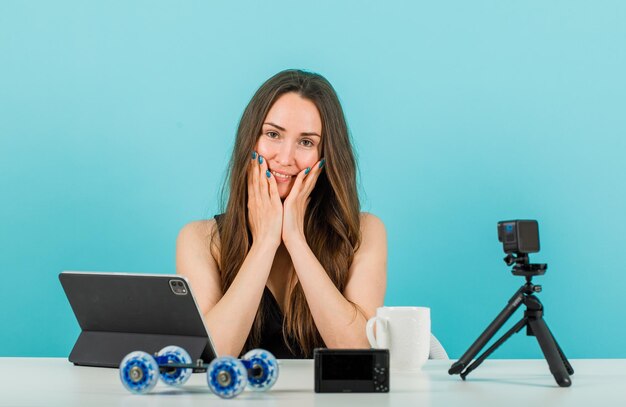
[(265, 210)]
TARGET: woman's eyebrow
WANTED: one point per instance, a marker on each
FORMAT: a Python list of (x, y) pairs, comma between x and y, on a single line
[(306, 133)]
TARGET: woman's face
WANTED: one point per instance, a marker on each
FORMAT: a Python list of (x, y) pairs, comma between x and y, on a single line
[(290, 139)]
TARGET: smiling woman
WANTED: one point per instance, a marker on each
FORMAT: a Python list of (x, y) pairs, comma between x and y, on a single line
[(292, 264)]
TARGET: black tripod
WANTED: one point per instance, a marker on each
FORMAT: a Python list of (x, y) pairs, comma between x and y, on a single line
[(532, 320)]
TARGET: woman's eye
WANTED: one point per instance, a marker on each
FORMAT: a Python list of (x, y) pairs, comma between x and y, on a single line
[(272, 134), (307, 143)]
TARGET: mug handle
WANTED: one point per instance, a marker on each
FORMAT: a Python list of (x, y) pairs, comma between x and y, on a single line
[(369, 330)]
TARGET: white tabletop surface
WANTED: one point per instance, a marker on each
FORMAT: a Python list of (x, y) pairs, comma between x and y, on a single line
[(56, 382)]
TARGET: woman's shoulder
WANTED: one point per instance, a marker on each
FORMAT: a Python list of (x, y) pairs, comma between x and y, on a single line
[(373, 233), (198, 229), (198, 235), (369, 222)]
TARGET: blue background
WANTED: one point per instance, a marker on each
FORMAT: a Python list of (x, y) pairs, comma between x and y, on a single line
[(117, 119)]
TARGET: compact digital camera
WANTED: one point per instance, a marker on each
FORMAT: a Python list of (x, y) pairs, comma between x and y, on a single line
[(351, 370)]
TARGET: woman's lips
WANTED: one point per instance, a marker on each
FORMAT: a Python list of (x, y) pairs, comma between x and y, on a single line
[(281, 178)]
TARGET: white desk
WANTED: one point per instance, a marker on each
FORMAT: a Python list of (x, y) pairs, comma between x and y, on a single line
[(508, 383)]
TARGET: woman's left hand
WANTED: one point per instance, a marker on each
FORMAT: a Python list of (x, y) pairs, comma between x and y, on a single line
[(296, 203)]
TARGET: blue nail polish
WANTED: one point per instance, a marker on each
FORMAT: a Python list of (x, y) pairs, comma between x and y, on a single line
[(308, 169), (268, 173), (260, 159), (254, 155), (322, 163)]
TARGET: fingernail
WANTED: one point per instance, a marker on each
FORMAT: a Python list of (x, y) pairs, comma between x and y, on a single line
[(254, 155), (260, 159), (268, 173), (322, 163), (307, 170)]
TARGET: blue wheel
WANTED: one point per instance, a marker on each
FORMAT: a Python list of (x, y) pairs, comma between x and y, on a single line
[(139, 372), (176, 376), (227, 377), (262, 369)]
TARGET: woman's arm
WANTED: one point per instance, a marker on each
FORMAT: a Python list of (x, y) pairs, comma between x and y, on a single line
[(340, 323), (228, 317)]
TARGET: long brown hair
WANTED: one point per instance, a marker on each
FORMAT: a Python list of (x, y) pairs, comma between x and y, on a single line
[(331, 223)]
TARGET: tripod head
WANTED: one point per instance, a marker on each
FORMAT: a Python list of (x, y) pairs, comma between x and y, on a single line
[(522, 266)]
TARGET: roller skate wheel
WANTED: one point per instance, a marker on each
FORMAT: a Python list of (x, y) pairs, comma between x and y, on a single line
[(227, 377), (176, 376), (139, 372), (263, 369)]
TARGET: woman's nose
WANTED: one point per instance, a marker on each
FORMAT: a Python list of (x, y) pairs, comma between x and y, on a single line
[(285, 154)]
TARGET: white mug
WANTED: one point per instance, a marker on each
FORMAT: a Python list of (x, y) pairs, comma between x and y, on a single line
[(405, 331)]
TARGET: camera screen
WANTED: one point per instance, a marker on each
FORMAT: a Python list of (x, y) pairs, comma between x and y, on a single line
[(347, 367), (509, 231)]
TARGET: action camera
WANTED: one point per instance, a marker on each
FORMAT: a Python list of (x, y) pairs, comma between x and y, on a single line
[(519, 236)]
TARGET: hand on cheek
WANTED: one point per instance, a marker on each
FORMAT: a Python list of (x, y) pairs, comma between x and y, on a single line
[(265, 211), (295, 204)]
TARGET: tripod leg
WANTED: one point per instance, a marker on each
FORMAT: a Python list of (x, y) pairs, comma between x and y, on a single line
[(550, 351), (489, 332), (515, 329), (568, 366)]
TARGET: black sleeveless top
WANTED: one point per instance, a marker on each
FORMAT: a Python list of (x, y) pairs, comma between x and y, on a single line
[(273, 319)]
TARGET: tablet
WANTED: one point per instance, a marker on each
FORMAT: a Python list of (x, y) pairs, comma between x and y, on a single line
[(119, 313)]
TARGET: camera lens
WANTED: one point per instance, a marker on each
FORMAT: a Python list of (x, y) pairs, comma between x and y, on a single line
[(180, 283)]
